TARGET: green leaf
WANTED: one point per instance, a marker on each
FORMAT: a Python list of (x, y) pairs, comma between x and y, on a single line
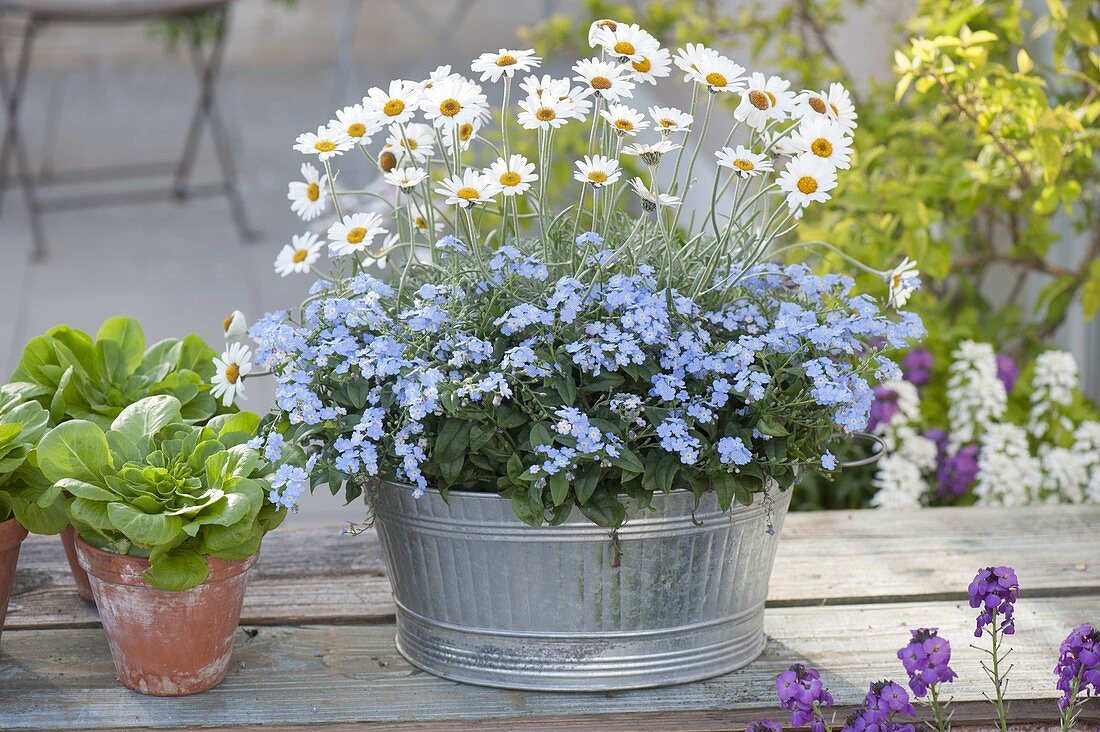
[(628, 461), (604, 510), (75, 449), (451, 441), (246, 422), (128, 336), (559, 488), (584, 485), (144, 529), (176, 570), (540, 435), (90, 513), (147, 416), (90, 492)]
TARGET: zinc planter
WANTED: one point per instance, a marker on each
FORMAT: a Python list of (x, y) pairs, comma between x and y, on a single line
[(80, 577), (485, 599), (11, 536), (166, 643)]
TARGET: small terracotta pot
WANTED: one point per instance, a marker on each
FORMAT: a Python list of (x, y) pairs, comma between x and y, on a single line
[(11, 536), (80, 577), (166, 643)]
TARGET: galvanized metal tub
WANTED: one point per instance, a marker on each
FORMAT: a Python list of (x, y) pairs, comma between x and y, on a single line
[(484, 599)]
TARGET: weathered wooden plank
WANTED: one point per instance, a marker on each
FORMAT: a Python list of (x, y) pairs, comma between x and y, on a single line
[(291, 676), (316, 575)]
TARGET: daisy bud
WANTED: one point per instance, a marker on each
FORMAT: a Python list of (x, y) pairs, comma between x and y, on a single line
[(235, 326)]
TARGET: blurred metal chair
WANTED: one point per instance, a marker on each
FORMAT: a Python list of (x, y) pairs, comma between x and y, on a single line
[(38, 14)]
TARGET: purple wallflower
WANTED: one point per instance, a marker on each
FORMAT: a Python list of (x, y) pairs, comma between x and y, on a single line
[(764, 725), (925, 660), (957, 472), (1007, 371), (884, 701), (883, 408), (994, 590), (801, 692), (916, 367), (1078, 668)]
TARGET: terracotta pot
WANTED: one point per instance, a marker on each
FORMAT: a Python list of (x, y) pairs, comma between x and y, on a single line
[(166, 643), (80, 577), (11, 536)]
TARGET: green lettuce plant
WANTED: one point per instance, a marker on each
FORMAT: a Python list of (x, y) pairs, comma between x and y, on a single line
[(152, 485), (77, 377), (22, 424)]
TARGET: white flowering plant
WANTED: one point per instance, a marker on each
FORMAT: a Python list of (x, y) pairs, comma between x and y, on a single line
[(1007, 437), (582, 354)]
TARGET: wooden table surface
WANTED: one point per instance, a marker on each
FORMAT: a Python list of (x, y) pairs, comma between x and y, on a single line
[(315, 645)]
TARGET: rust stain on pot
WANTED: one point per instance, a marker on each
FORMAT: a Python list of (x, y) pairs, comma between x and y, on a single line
[(166, 643)]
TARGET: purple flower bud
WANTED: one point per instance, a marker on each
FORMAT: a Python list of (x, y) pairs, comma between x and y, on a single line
[(1007, 371)]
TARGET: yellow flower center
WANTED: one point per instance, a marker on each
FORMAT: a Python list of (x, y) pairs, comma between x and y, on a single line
[(510, 178), (357, 235), (624, 48), (421, 223), (227, 322), (835, 110), (300, 256), (600, 82), (821, 147), (817, 104), (232, 373), (467, 193), (716, 79), (413, 144), (895, 282), (313, 191), (743, 164), (668, 123), (393, 107), (625, 125), (597, 176), (642, 66), (449, 107), (760, 100), (807, 184), (545, 114), (771, 97), (324, 146), (387, 161), (609, 24), (506, 59), (465, 131), (357, 129)]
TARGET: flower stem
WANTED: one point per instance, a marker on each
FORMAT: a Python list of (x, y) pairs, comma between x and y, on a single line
[(942, 725)]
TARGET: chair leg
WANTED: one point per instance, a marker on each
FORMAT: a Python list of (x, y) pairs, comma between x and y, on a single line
[(208, 67), (12, 144)]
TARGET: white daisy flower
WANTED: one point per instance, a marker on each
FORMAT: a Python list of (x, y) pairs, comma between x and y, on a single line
[(841, 107), (581, 104), (395, 105), (778, 142), (597, 27), (807, 179), (625, 120), (354, 234), (308, 198), (763, 100), (651, 153), (598, 170), (467, 132), (234, 364), (440, 73), (743, 161), (904, 281), (627, 42), (824, 138), (545, 86), (419, 216), (453, 102), (356, 124), (298, 256), (421, 141), (603, 78), (670, 119), (235, 326), (708, 67), (381, 258), (469, 189), (654, 64), (514, 175), (325, 143), (545, 112), (651, 199), (405, 178), (492, 66)]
